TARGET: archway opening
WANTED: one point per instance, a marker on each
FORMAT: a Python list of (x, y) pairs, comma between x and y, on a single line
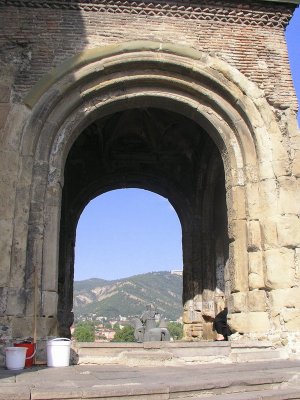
[(171, 155), (127, 232), (128, 254)]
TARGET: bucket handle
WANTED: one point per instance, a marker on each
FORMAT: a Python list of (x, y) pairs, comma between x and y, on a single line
[(57, 339), (32, 355)]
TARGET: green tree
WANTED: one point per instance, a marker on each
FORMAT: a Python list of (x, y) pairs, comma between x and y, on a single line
[(125, 334), (176, 330), (84, 332)]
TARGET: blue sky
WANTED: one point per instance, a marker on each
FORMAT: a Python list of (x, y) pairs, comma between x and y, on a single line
[(133, 231), (293, 41)]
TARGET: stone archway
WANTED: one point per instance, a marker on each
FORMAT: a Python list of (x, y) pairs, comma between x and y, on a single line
[(171, 155), (221, 102)]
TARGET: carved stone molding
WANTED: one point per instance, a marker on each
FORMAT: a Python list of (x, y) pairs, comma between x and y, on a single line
[(255, 14)]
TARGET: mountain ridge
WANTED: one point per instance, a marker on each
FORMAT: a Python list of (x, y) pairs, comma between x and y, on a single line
[(129, 296)]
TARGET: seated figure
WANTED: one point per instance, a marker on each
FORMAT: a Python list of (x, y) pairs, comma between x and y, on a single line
[(220, 325)]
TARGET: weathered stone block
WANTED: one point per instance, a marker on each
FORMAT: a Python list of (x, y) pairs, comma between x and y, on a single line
[(50, 249), (279, 268), (288, 231), (282, 167), (269, 233), (16, 300), (281, 298), (3, 300), (238, 261), (6, 229), (33, 301), (236, 203), (191, 316), (257, 300), (267, 195), (296, 163), (197, 330), (238, 302), (291, 319), (254, 322), (4, 94), (266, 170), (256, 270), (253, 201), (254, 236), (23, 327), (49, 304), (289, 195), (4, 110), (297, 266)]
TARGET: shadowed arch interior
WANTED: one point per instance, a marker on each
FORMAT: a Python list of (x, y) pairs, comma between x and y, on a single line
[(164, 152)]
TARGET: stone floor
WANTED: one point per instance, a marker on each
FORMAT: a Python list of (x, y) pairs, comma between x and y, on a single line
[(238, 381)]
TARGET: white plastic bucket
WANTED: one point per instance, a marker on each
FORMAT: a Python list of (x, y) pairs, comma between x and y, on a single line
[(15, 357), (58, 352)]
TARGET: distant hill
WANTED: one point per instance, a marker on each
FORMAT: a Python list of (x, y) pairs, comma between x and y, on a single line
[(128, 297)]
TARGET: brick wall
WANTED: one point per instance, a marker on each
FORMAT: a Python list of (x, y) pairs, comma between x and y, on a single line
[(35, 39)]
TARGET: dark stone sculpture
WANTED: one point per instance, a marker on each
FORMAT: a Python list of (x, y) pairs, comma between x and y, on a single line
[(146, 329)]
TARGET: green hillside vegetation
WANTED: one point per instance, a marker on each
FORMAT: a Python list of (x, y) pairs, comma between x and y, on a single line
[(129, 296)]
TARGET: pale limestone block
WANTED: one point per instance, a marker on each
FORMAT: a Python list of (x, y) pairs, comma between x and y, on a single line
[(254, 236), (252, 322), (236, 203), (268, 194), (279, 268), (296, 162), (187, 331), (256, 281), (252, 173), (197, 330), (297, 266), (269, 232), (238, 260), (6, 229), (258, 322), (192, 316), (291, 318), (288, 231), (238, 302), (253, 209), (289, 195), (266, 170), (238, 230), (281, 298), (49, 303), (256, 270), (282, 167), (257, 300)]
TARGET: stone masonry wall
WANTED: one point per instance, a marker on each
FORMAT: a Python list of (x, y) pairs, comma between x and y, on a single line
[(35, 39)]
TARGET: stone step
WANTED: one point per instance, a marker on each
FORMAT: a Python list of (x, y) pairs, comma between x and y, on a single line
[(273, 394), (149, 353), (120, 382)]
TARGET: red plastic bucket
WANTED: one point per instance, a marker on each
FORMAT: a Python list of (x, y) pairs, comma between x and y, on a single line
[(30, 352)]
